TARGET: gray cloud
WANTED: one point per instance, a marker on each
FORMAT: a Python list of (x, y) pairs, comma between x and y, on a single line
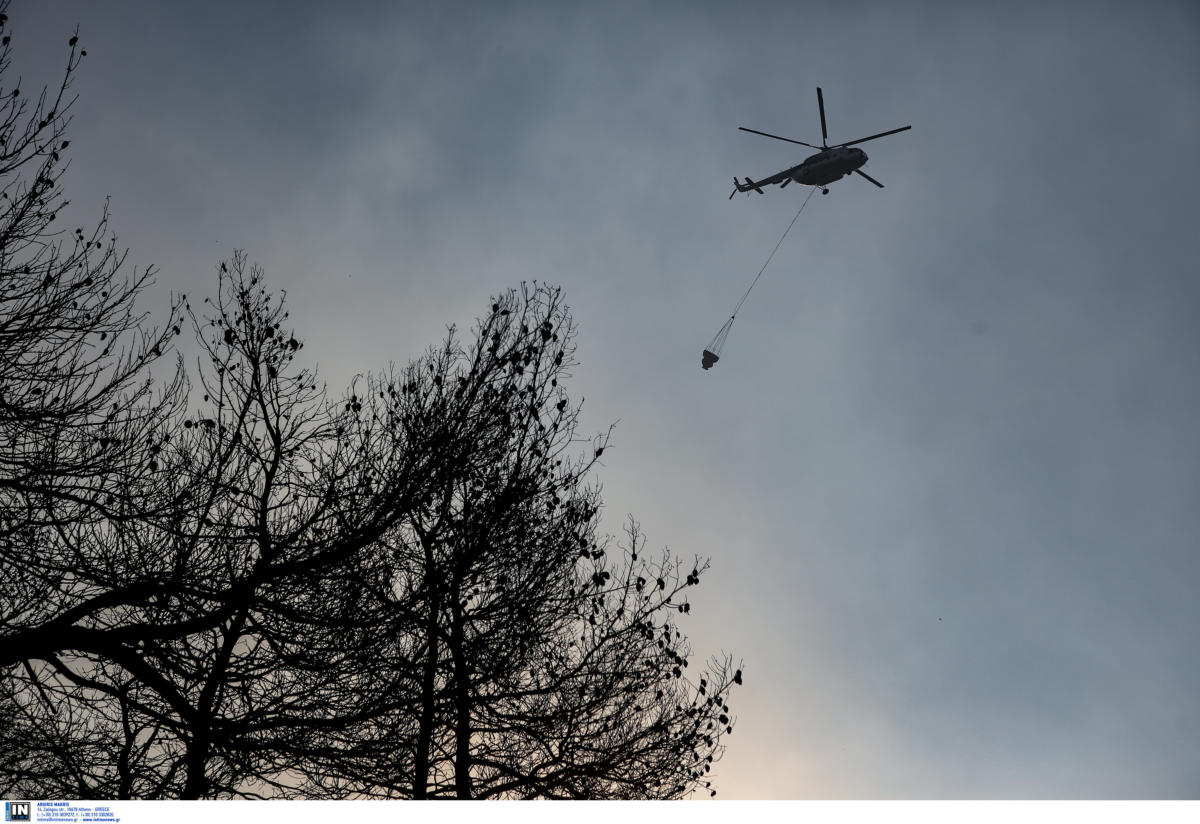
[(947, 467)]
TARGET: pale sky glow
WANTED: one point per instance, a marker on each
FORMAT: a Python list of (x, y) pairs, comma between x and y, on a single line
[(948, 467)]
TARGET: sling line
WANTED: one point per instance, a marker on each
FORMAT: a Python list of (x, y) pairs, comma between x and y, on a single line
[(712, 352)]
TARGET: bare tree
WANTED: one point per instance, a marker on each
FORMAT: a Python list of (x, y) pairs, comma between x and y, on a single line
[(115, 568), (544, 669), (272, 500), (74, 389), (244, 587), (398, 594), (79, 417)]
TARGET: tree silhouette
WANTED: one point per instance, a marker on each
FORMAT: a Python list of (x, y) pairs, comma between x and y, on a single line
[(397, 594), (72, 392), (234, 584), (544, 671), (79, 418), (245, 666)]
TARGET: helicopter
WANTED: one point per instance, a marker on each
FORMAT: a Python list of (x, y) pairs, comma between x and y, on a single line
[(829, 164)]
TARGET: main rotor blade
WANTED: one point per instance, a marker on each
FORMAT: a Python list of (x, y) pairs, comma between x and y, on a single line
[(777, 137), (824, 131), (872, 137), (868, 177)]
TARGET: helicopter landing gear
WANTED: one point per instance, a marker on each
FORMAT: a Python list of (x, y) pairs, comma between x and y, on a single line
[(824, 191)]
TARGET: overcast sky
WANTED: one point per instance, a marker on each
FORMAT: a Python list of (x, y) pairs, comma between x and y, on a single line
[(948, 467)]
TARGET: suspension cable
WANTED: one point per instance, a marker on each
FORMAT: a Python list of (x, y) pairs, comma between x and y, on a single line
[(713, 350)]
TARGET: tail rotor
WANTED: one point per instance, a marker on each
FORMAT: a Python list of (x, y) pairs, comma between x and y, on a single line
[(738, 187)]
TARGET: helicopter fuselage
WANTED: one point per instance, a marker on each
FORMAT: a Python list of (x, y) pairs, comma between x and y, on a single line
[(827, 166)]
